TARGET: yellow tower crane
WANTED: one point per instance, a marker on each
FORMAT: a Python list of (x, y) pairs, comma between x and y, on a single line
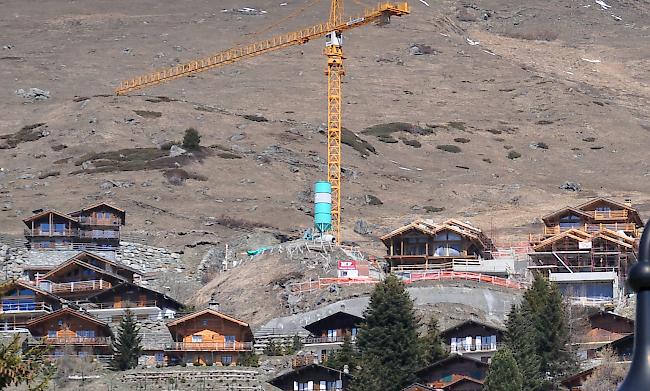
[(332, 30)]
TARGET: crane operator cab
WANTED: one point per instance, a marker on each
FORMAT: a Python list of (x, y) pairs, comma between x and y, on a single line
[(334, 38)]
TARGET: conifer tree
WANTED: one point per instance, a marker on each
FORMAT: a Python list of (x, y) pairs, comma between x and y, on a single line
[(388, 340), (504, 374), (127, 347), (346, 355), (553, 345), (433, 348), (520, 339)]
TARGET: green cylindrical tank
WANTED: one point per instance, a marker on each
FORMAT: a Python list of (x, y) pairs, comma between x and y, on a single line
[(323, 206)]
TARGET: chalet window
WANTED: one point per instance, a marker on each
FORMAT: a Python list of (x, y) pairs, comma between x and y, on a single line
[(58, 227), (197, 338), (45, 227), (226, 360), (331, 335), (303, 387), (354, 332), (160, 356), (336, 385), (86, 333), (229, 340), (100, 215), (570, 221), (51, 333), (205, 322)]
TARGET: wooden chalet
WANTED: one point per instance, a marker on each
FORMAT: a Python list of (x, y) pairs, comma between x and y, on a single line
[(48, 229), (100, 224), (72, 332), (94, 227), (603, 328), (575, 381), (594, 216), (22, 302), (450, 370), (474, 339), (328, 334), (208, 337), (146, 304), (83, 275), (423, 245), (314, 377)]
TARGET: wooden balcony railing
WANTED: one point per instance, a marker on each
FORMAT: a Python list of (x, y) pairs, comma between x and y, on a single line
[(609, 215), (210, 346), (36, 232), (99, 234), (319, 340), (462, 348), (74, 286), (102, 358), (95, 221), (99, 341), (304, 360), (25, 307), (123, 304), (627, 227)]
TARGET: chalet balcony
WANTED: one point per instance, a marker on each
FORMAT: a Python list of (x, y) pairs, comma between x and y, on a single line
[(591, 228), (99, 234), (102, 358), (112, 221), (24, 307), (210, 346), (124, 305), (609, 215), (74, 286), (37, 232), (86, 341), (322, 340), (462, 348)]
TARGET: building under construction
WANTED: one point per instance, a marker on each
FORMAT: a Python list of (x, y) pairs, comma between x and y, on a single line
[(588, 249)]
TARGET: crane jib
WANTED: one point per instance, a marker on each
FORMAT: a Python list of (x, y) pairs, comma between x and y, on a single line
[(355, 21)]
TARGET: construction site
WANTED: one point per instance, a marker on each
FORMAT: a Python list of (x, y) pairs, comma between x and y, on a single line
[(278, 160)]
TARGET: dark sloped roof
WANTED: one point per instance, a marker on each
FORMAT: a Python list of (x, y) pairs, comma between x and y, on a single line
[(307, 368), (111, 291), (471, 322), (337, 316), (451, 358)]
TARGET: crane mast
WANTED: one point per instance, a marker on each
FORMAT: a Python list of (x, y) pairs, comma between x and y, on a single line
[(334, 72), (332, 30)]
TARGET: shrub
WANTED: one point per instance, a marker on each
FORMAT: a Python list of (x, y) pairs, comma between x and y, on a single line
[(541, 145), (512, 155), (535, 35), (449, 148), (412, 143), (456, 125), (462, 140), (508, 147), (192, 139), (589, 139)]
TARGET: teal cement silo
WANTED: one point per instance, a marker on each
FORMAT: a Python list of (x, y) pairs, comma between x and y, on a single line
[(323, 206)]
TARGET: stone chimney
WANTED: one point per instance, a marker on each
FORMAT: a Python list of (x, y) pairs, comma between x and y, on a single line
[(213, 304), (628, 202), (346, 369)]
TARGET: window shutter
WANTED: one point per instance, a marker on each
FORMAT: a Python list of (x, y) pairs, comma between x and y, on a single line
[(295, 386), (339, 385), (323, 385), (310, 386)]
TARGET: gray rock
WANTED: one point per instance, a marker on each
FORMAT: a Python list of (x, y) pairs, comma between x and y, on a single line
[(26, 176), (33, 94), (571, 186), (237, 137), (362, 227), (87, 165), (106, 185), (175, 150), (372, 200)]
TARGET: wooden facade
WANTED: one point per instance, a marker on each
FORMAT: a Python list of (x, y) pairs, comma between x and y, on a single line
[(74, 330), (329, 333), (418, 387), (422, 245), (97, 226), (22, 302), (474, 339), (208, 337), (312, 377), (77, 279), (451, 369), (603, 329)]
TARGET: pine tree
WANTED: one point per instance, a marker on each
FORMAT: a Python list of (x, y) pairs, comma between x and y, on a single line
[(191, 139), (504, 374), (127, 348), (388, 339), (433, 348), (553, 345), (346, 355), (520, 338)]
